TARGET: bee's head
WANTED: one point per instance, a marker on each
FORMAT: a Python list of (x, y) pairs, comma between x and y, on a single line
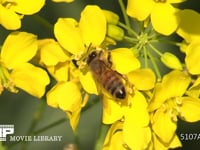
[(94, 54)]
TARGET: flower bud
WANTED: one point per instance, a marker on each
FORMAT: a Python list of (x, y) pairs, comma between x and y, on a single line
[(111, 17), (171, 61), (115, 32)]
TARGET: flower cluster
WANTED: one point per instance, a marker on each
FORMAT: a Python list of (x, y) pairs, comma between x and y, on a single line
[(155, 98)]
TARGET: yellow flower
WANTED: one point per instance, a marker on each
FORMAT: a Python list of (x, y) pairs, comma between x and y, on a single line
[(168, 103), (14, 67), (75, 37), (162, 13), (133, 130), (11, 12), (54, 58)]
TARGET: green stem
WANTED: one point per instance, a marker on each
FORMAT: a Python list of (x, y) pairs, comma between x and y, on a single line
[(50, 126), (123, 9), (178, 44), (154, 65), (100, 139), (36, 118), (145, 58), (43, 22), (128, 28), (130, 39), (155, 49)]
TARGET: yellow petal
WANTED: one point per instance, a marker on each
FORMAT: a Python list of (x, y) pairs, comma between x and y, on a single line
[(114, 138), (174, 84), (192, 58), (194, 90), (163, 18), (31, 79), (142, 79), (51, 53), (21, 51), (74, 118), (9, 19), (68, 35), (123, 60), (93, 25), (65, 95), (137, 113), (88, 83), (27, 7), (111, 111), (60, 71), (158, 144), (189, 109), (137, 137), (189, 18), (160, 119), (137, 9)]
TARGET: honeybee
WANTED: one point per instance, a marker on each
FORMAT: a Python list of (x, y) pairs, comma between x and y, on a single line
[(110, 80)]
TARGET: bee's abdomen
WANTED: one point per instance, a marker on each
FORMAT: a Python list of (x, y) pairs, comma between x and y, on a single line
[(113, 84)]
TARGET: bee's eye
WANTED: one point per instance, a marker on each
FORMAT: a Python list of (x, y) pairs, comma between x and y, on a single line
[(91, 57), (93, 54)]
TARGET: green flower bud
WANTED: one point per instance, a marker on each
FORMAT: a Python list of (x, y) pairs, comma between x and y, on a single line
[(115, 32), (171, 61), (111, 17)]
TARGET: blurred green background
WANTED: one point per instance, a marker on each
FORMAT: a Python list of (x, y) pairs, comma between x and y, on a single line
[(19, 109)]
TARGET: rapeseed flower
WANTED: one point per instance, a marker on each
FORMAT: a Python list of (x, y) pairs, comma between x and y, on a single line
[(75, 37), (162, 13), (169, 102), (16, 71), (12, 11)]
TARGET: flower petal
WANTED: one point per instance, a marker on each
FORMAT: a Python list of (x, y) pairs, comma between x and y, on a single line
[(68, 35), (60, 71), (88, 83), (114, 137), (74, 118), (111, 111), (136, 137), (21, 51), (51, 53), (27, 7), (123, 60), (142, 79), (192, 58), (31, 79), (139, 9), (139, 106), (189, 18), (160, 119), (65, 95), (93, 25), (158, 144), (164, 19), (9, 19), (136, 132), (189, 109), (174, 84)]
